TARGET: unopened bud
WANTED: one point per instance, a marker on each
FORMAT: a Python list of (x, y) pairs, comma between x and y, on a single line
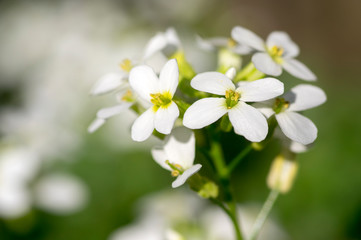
[(282, 174)]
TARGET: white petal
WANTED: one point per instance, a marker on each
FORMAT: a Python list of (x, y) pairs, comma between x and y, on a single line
[(264, 63), (260, 90), (107, 83), (160, 156), (169, 77), (95, 125), (281, 39), (180, 147), (155, 44), (245, 36), (297, 127), (210, 44), (298, 69), (165, 118), (181, 179), (212, 82), (143, 126), (265, 107), (297, 147), (172, 37), (144, 81), (248, 122), (231, 73), (304, 97), (112, 111), (204, 112), (241, 49)]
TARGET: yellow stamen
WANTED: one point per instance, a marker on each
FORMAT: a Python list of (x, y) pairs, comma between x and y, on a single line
[(231, 43), (128, 97), (232, 98), (161, 100), (126, 65)]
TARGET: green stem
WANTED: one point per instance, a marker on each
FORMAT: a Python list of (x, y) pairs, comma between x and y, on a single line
[(218, 159), (239, 158), (247, 70), (231, 211), (262, 216)]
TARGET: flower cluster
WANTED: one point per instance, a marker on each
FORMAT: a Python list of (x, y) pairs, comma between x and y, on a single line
[(178, 105)]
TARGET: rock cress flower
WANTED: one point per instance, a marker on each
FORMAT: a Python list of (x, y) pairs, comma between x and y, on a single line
[(295, 126), (177, 155), (158, 92), (276, 53), (246, 120)]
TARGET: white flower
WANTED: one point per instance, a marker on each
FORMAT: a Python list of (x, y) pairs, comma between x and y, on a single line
[(161, 41), (177, 155), (276, 53), (60, 193), (113, 82), (214, 43), (159, 92), (246, 120), (295, 126)]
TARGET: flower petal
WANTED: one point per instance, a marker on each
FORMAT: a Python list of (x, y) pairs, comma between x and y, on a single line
[(304, 96), (283, 40), (172, 37), (231, 73), (181, 179), (248, 122), (169, 77), (144, 81), (160, 156), (247, 37), (143, 126), (265, 107), (112, 111), (297, 127), (260, 90), (180, 147), (212, 82), (107, 83), (165, 118), (204, 112), (298, 69), (155, 44), (264, 63), (95, 125)]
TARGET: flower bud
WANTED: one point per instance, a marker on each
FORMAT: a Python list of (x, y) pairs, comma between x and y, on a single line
[(282, 174)]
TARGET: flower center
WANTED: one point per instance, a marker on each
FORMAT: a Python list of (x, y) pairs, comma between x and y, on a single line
[(160, 100), (126, 65), (176, 168), (231, 42), (280, 105), (128, 97), (232, 98), (276, 53)]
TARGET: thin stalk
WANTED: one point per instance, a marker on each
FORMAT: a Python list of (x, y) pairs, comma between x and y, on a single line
[(232, 214), (239, 158), (262, 216)]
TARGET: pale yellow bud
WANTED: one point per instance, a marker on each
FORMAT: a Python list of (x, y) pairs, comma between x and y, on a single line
[(282, 173)]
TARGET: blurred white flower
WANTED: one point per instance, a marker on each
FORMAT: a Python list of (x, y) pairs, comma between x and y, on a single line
[(294, 125), (161, 42), (214, 43), (246, 120), (177, 155), (60, 194), (159, 92), (276, 53), (18, 166)]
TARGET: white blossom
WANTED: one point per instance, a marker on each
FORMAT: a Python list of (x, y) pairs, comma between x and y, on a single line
[(246, 120), (159, 92), (177, 155), (214, 43), (276, 53), (295, 126)]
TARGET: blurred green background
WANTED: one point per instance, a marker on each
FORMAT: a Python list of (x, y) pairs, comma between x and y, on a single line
[(325, 202)]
